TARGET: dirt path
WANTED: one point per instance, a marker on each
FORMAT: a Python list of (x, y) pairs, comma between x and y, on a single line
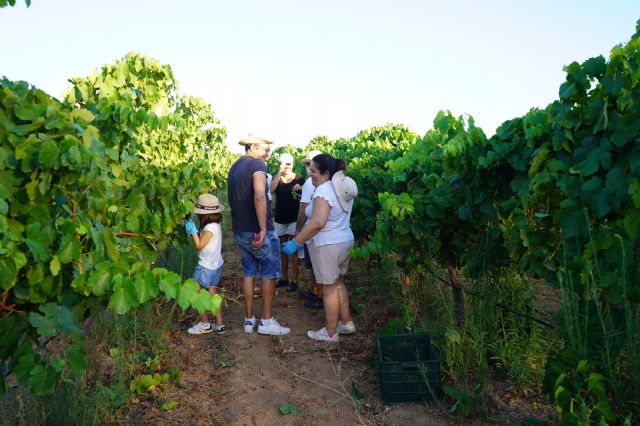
[(242, 379), (270, 371)]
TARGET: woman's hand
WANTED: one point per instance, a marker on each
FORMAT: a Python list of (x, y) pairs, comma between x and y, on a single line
[(290, 247)]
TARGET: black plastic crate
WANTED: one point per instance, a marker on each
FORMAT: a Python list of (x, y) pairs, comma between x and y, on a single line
[(409, 368)]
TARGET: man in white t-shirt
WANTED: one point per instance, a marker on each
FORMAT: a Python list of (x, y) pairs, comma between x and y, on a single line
[(313, 296)]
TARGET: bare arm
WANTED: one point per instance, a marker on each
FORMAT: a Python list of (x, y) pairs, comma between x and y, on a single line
[(260, 204), (274, 182), (302, 217), (319, 218), (276, 179), (201, 242)]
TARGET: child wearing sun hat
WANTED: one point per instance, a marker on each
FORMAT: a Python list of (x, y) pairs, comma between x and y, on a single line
[(209, 245)]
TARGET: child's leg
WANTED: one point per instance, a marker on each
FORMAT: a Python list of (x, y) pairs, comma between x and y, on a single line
[(204, 318), (199, 276), (214, 290)]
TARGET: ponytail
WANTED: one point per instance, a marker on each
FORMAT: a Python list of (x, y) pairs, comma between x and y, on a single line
[(326, 162)]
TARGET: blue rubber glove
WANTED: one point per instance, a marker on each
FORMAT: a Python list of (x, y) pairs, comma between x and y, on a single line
[(190, 227), (290, 247)]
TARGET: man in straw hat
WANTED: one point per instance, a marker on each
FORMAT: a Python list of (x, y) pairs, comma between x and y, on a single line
[(254, 232)]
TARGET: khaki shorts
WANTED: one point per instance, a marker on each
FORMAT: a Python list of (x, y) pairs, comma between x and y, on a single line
[(329, 261)]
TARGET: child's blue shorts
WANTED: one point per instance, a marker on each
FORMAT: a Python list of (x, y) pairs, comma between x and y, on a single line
[(207, 277)]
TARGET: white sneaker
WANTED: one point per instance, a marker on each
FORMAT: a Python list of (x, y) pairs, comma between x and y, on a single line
[(273, 328), (219, 328), (249, 324), (200, 328), (322, 335), (347, 328)]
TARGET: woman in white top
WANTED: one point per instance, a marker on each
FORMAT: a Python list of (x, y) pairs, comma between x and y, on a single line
[(329, 237)]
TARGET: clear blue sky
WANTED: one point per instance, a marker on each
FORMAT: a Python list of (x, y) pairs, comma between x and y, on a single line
[(292, 70)]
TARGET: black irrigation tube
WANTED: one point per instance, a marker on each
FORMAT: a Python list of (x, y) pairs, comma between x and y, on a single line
[(499, 305)]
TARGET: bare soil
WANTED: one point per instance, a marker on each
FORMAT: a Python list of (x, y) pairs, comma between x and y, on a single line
[(243, 379)]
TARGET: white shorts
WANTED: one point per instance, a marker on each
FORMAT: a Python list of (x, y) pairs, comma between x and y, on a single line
[(330, 261), (285, 228)]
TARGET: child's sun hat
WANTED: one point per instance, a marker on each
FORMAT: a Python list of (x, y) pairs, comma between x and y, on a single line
[(208, 203)]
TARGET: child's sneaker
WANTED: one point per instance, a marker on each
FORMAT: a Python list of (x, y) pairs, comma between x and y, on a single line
[(272, 328), (347, 328), (219, 328), (200, 328), (323, 336), (249, 324)]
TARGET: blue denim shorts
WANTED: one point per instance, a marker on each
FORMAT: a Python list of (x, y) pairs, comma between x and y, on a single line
[(207, 277), (264, 261)]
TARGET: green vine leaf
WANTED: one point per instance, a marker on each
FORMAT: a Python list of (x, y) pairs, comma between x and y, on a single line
[(42, 380), (45, 326), (286, 408), (38, 242), (77, 359)]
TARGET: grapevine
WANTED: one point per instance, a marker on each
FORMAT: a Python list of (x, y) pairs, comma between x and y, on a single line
[(91, 188)]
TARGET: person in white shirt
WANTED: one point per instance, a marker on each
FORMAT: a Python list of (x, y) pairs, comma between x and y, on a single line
[(313, 296), (208, 271), (329, 237)]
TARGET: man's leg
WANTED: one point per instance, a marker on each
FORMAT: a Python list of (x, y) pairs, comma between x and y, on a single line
[(293, 278), (284, 259), (270, 267), (247, 292), (294, 267), (314, 287), (268, 292), (249, 270)]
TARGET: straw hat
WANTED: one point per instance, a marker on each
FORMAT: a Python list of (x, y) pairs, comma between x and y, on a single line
[(310, 155), (254, 140), (346, 189), (208, 203)]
